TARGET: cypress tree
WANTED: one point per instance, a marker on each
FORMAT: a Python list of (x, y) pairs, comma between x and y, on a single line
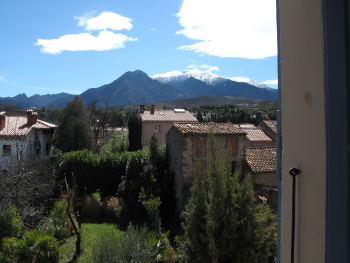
[(135, 132), (74, 132), (223, 221), (195, 243)]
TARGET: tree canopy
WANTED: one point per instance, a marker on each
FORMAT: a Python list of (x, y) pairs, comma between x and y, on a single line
[(74, 132)]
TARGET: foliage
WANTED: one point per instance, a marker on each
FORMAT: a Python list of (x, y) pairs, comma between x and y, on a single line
[(97, 171), (117, 143), (135, 132), (44, 247), (11, 224), (135, 245), (14, 250), (57, 224), (163, 184), (74, 131), (91, 206), (112, 206), (222, 220), (152, 206), (36, 246), (29, 185)]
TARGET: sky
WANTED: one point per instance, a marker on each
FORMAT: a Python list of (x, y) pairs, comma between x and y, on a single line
[(72, 45)]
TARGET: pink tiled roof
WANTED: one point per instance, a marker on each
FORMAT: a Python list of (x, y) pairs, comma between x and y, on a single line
[(168, 116), (18, 126), (261, 159), (208, 127)]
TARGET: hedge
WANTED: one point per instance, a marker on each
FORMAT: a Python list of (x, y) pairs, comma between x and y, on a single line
[(103, 172)]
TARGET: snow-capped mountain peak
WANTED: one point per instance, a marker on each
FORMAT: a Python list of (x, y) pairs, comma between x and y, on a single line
[(173, 76)]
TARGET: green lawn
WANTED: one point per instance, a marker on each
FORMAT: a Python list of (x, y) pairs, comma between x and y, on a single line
[(89, 234)]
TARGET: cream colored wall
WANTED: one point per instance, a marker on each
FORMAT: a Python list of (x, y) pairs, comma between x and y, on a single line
[(303, 127), (148, 131)]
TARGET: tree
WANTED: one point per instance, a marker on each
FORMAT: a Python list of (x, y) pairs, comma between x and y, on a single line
[(74, 132), (29, 185), (199, 116), (135, 132), (223, 221)]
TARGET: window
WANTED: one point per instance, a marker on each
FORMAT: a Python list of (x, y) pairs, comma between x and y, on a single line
[(157, 128), (199, 147), (6, 149)]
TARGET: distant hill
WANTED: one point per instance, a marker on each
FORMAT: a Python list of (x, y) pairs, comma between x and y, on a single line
[(38, 101), (136, 87)]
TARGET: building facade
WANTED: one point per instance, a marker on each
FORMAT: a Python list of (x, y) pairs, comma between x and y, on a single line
[(23, 137), (188, 146), (158, 122)]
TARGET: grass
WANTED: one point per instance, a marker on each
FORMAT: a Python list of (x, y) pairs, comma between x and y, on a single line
[(89, 235)]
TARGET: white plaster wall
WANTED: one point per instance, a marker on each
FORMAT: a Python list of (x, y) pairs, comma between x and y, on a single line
[(303, 127)]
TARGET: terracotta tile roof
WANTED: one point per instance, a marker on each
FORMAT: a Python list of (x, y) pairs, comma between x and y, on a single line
[(208, 127), (168, 115), (261, 160), (257, 135), (272, 125), (17, 126)]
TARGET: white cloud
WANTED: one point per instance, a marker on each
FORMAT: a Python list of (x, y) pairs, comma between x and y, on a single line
[(230, 28), (105, 20), (270, 82), (104, 40), (203, 68), (105, 23), (153, 29)]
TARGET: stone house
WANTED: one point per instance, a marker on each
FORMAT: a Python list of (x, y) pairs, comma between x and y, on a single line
[(158, 122), (257, 137), (261, 162), (23, 137), (269, 127), (188, 147)]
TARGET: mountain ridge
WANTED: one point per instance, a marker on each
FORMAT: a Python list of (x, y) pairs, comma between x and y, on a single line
[(136, 87)]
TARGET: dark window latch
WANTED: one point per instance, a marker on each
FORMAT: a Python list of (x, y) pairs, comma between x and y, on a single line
[(294, 171)]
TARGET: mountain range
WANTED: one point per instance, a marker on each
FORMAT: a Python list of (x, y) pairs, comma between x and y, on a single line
[(136, 87)]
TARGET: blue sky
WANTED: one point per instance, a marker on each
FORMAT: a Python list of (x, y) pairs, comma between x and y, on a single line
[(69, 46)]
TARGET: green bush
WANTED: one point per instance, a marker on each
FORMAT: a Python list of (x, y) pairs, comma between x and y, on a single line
[(57, 224), (91, 206), (14, 250), (11, 224), (117, 143), (135, 245), (44, 247), (98, 171)]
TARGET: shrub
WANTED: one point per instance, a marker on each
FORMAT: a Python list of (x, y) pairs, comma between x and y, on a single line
[(117, 143), (44, 247), (11, 224), (91, 206), (57, 224), (112, 206), (14, 250), (135, 245)]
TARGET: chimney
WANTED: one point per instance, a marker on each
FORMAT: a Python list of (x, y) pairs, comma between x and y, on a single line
[(142, 109), (152, 109), (32, 117), (2, 120)]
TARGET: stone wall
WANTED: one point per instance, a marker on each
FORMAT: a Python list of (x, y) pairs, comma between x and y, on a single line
[(188, 156)]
